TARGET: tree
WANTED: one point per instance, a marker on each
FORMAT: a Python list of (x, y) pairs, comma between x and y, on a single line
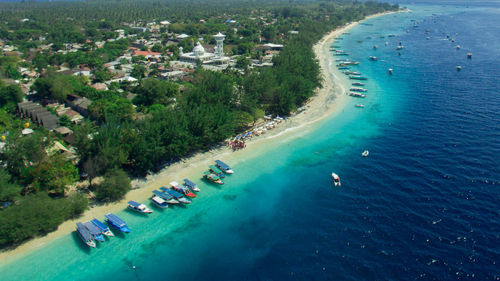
[(116, 183), (152, 91), (10, 96), (54, 174), (138, 71), (8, 191)]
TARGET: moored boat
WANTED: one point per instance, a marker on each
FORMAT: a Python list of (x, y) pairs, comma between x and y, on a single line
[(359, 105), (159, 202), (102, 227), (191, 185), (216, 171), (358, 84), (336, 179), (358, 90), (94, 231), (343, 67), (138, 207), (85, 235), (116, 222), (178, 196), (165, 196), (182, 189), (351, 72), (357, 95), (224, 167), (354, 77), (373, 58), (212, 177)]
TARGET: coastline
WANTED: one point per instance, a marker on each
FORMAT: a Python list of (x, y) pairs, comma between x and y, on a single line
[(326, 102)]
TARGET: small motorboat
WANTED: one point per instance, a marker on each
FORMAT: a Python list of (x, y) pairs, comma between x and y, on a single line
[(138, 207), (360, 105), (365, 153), (390, 71), (336, 179), (459, 68), (373, 58)]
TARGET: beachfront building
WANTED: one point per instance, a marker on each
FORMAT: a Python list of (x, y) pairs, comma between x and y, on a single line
[(199, 54)]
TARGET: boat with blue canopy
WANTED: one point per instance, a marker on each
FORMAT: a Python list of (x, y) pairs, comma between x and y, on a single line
[(216, 171), (176, 195), (138, 207), (224, 167), (85, 235), (165, 196), (191, 185), (117, 223), (96, 232), (102, 227)]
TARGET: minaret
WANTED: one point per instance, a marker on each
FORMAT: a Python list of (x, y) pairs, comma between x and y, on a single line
[(219, 49)]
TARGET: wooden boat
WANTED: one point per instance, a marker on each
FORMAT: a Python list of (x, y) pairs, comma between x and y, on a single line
[(178, 196), (117, 223), (354, 77), (357, 95), (102, 227), (182, 189), (94, 231), (165, 196), (191, 185), (216, 171), (85, 235), (159, 202), (138, 207), (224, 167), (212, 177)]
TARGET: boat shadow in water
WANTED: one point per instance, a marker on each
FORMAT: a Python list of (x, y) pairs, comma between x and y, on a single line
[(81, 245), (211, 184)]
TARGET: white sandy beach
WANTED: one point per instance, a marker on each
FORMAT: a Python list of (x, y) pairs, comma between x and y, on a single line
[(327, 101)]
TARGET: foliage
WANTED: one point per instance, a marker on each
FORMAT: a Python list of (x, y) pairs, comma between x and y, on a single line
[(116, 183), (56, 87), (153, 91), (10, 96), (54, 174)]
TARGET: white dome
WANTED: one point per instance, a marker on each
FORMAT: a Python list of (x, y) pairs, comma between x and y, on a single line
[(199, 50)]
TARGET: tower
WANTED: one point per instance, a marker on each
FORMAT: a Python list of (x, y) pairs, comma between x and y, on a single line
[(219, 49)]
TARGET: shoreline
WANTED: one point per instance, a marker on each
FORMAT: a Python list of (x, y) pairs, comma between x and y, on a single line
[(326, 102)]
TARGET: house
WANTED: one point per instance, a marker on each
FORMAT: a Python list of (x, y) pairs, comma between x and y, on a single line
[(38, 114), (78, 104)]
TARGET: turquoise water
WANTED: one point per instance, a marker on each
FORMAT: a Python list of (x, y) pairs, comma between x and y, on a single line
[(422, 206)]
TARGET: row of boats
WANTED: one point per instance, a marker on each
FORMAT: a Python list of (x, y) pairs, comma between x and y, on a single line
[(95, 230)]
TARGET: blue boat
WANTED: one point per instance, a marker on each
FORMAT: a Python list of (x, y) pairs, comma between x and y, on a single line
[(224, 167), (85, 235), (117, 223), (191, 185), (165, 196), (102, 227), (180, 197), (160, 202), (96, 232), (216, 171)]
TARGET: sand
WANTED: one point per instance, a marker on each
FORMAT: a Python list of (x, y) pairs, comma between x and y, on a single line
[(326, 102)]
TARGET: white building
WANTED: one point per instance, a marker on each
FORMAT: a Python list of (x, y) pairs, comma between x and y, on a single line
[(199, 53)]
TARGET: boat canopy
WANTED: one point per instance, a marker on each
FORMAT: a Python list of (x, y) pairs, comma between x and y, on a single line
[(162, 195), (92, 228), (84, 232), (134, 204), (215, 169), (174, 183), (174, 193), (115, 220), (222, 165), (100, 225), (189, 183), (159, 200)]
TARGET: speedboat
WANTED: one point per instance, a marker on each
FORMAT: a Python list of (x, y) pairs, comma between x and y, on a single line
[(399, 47), (224, 167), (373, 58), (159, 202), (138, 207), (117, 223), (365, 153), (85, 235), (102, 227), (94, 231), (359, 105), (191, 185), (336, 179)]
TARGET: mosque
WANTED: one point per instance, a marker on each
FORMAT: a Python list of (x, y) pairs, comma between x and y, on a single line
[(200, 55)]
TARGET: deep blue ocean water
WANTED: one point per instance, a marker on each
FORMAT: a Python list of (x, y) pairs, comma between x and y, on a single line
[(423, 206)]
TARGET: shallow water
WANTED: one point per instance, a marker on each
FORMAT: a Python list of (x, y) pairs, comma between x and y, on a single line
[(422, 206)]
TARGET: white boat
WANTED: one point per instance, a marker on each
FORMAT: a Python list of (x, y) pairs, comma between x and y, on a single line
[(359, 105), (160, 202), (336, 179), (138, 207), (365, 153)]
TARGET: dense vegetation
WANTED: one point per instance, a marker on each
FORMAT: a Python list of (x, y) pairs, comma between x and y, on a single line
[(162, 123)]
